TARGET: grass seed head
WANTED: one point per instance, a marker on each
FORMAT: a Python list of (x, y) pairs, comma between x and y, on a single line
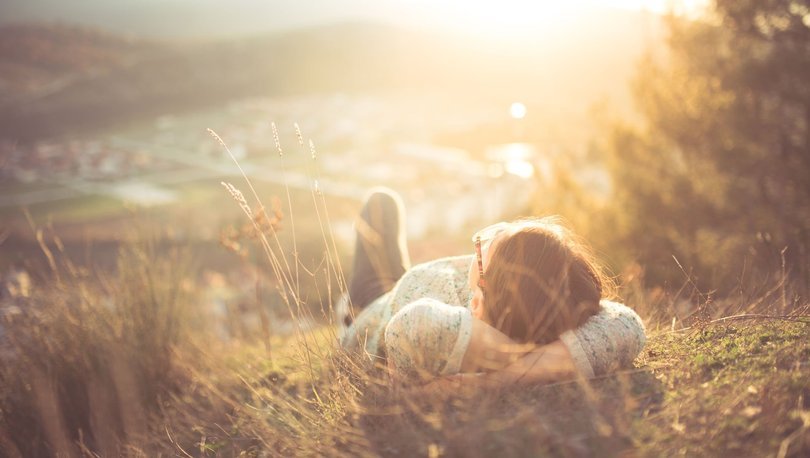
[(216, 137), (298, 135), (238, 197), (276, 139), (312, 149)]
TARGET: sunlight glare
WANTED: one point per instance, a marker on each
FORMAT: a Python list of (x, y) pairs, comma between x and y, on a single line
[(505, 18), (517, 110), (513, 18), (687, 7), (512, 158), (521, 169)]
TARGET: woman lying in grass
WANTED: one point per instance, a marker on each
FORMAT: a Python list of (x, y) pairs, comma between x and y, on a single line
[(528, 306)]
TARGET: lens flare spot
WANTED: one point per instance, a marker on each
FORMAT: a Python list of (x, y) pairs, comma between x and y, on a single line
[(517, 110)]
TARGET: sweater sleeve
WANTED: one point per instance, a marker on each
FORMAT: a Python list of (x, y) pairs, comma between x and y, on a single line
[(608, 341), (427, 338)]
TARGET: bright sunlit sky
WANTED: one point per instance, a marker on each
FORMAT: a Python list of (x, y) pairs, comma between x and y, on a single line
[(530, 12), (507, 17), (216, 17)]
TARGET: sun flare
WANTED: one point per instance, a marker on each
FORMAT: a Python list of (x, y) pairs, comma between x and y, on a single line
[(688, 7), (508, 17), (517, 110), (515, 17)]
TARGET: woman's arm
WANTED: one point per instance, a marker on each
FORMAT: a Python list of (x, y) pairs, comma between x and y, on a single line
[(609, 340), (429, 338), (546, 364), (500, 359)]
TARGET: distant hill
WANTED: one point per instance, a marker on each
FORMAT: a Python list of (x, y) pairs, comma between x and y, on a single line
[(192, 19), (37, 58), (58, 79)]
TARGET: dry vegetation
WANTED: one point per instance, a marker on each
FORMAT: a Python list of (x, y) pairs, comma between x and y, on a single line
[(126, 363)]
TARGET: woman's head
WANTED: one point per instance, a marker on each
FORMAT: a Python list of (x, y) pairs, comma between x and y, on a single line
[(538, 280)]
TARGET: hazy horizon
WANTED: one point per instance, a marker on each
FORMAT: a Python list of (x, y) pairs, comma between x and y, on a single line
[(544, 54), (211, 19)]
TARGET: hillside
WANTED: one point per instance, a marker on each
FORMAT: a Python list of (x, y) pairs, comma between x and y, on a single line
[(186, 19), (61, 79), (37, 59)]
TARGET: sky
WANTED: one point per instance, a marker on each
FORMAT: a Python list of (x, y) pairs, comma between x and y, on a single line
[(212, 18)]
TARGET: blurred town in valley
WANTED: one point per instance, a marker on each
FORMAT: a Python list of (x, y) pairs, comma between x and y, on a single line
[(104, 111)]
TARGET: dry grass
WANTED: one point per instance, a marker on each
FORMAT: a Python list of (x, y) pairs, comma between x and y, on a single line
[(124, 363), (88, 358), (84, 391)]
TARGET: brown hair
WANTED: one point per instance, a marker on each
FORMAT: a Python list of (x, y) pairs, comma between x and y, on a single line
[(541, 281)]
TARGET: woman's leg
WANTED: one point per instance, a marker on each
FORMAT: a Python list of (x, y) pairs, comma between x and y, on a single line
[(380, 253)]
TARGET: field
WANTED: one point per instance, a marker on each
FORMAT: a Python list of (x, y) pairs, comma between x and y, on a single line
[(129, 361), (133, 346), (163, 294)]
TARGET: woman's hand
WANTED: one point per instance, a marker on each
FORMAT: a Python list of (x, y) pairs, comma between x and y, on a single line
[(547, 364), (503, 360)]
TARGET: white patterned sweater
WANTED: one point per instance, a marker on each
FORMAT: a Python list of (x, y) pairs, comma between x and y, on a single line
[(429, 308)]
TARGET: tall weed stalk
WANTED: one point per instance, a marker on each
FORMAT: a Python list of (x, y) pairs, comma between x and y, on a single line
[(90, 357)]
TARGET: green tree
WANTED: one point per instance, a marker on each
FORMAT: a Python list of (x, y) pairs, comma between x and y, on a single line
[(719, 175)]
